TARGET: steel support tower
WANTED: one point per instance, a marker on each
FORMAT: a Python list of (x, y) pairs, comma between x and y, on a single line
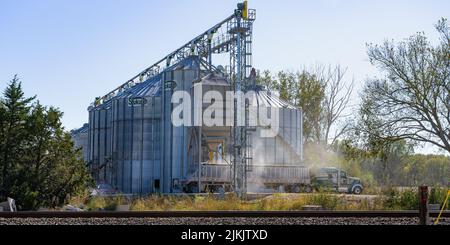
[(240, 62)]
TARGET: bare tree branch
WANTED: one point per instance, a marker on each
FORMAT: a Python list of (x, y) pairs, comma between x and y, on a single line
[(413, 101)]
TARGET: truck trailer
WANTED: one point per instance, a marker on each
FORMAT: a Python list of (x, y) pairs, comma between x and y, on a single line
[(289, 179)]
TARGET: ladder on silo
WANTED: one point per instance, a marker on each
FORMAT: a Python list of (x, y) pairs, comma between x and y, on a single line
[(248, 143), (249, 155), (248, 61)]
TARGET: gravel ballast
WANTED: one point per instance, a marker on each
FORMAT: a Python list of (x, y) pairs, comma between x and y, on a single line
[(214, 221)]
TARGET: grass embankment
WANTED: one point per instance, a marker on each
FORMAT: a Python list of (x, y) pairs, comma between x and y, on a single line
[(279, 202), (390, 200)]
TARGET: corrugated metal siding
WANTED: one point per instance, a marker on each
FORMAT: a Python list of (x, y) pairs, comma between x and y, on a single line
[(80, 138), (144, 147), (130, 134)]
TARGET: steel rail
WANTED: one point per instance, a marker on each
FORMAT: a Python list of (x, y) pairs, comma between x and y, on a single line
[(221, 214)]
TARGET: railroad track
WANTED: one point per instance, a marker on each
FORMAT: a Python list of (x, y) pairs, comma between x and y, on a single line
[(222, 214)]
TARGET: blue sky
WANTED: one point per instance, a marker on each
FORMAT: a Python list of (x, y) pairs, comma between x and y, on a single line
[(67, 52)]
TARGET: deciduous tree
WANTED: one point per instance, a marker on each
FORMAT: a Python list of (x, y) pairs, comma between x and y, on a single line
[(412, 100)]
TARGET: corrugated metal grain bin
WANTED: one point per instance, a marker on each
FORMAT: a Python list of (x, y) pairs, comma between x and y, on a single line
[(133, 145), (141, 162), (136, 147), (99, 140), (176, 157), (286, 148), (80, 138)]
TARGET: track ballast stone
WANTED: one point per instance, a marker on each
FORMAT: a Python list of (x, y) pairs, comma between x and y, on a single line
[(214, 221)]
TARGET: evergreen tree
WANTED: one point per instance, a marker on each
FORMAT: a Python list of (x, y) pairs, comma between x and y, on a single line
[(40, 166), (14, 112)]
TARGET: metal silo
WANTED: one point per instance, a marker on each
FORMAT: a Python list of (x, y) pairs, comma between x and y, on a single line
[(286, 148), (271, 159), (136, 131), (175, 140), (99, 140), (80, 138), (148, 154)]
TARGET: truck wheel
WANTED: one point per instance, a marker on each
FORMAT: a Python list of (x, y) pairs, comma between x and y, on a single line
[(192, 188), (308, 189), (296, 189), (357, 190), (212, 189)]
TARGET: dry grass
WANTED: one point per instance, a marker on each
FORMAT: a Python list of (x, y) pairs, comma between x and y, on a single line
[(190, 203), (106, 203), (389, 199), (278, 202)]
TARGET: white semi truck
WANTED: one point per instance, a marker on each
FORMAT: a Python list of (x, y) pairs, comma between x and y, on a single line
[(290, 179)]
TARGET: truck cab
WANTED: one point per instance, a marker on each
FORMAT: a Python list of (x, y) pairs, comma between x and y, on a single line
[(337, 180)]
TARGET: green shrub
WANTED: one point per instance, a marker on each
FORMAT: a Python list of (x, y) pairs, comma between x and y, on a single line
[(401, 200), (329, 202), (409, 200), (438, 196)]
